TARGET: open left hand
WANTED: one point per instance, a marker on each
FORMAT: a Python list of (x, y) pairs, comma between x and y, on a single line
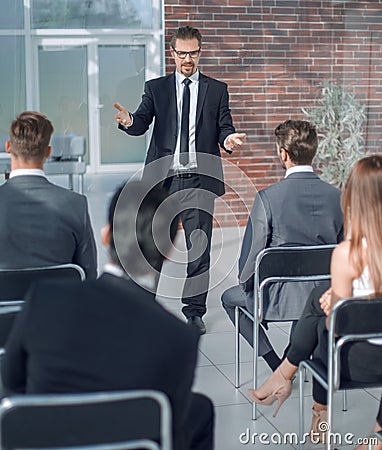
[(234, 141)]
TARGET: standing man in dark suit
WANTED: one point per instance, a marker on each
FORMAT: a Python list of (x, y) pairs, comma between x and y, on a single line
[(192, 119), (41, 224), (110, 333), (299, 210)]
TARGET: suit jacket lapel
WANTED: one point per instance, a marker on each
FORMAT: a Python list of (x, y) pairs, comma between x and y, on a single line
[(172, 110), (203, 87)]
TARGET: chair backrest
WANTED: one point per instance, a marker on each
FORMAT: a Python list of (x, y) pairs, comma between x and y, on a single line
[(67, 146), (139, 444), (357, 316), (107, 419), (14, 283), (352, 319), (290, 264), (294, 262)]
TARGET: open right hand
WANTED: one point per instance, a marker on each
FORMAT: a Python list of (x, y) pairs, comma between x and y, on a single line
[(123, 116), (326, 301)]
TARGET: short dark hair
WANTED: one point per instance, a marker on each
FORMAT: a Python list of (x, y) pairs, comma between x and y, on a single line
[(186, 33), (299, 139), (142, 227), (30, 135)]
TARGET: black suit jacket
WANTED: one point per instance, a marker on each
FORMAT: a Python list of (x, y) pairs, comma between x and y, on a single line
[(213, 125), (106, 334), (42, 224), (299, 210)]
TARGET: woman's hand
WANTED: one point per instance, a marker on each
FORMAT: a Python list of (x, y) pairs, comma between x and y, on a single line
[(326, 301)]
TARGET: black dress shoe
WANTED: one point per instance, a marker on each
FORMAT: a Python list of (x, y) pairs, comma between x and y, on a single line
[(197, 322)]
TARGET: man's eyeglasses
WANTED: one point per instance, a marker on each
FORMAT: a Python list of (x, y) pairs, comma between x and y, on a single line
[(181, 54)]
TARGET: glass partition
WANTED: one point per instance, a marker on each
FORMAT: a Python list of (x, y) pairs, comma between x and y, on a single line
[(12, 79), (125, 86), (63, 86), (92, 14), (11, 14)]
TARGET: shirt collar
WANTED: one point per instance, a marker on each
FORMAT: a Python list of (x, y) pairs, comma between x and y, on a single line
[(20, 172), (113, 269), (194, 77), (298, 169), (146, 281)]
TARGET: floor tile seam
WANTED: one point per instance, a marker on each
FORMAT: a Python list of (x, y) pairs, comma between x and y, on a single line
[(231, 404), (212, 364), (231, 382), (372, 395)]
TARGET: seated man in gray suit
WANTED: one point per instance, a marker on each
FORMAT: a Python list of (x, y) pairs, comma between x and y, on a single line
[(299, 210), (41, 224), (111, 333)]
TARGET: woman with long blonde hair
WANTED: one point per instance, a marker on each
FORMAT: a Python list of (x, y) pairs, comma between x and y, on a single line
[(356, 270)]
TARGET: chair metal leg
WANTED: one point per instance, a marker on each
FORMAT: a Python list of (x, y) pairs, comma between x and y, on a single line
[(344, 400), (301, 407), (305, 375), (237, 348), (81, 183), (255, 356), (330, 393), (70, 181)]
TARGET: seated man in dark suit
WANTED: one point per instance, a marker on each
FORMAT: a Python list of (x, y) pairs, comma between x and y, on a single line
[(299, 210), (111, 334), (41, 224)]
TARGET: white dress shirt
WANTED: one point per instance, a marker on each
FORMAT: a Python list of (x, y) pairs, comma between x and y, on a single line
[(20, 172), (194, 89), (146, 281), (298, 169)]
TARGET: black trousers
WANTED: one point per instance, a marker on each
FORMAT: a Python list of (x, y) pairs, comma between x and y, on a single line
[(359, 361), (196, 215)]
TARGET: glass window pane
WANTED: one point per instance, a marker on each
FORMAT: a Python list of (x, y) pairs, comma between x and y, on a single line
[(12, 14), (124, 86), (92, 14), (63, 88), (12, 80)]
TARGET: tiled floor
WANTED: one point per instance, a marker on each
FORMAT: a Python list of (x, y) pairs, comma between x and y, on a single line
[(215, 371)]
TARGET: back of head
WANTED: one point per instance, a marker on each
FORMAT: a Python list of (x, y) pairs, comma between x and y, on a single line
[(299, 139), (186, 33), (143, 230), (30, 135), (362, 206)]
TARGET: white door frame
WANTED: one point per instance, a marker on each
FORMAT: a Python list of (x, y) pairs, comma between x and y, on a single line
[(55, 38)]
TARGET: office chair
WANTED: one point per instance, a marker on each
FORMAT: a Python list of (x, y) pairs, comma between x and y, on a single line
[(14, 283), (138, 419), (68, 151), (352, 320), (279, 265)]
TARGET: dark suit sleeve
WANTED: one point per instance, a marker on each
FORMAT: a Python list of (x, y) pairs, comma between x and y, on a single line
[(86, 250), (256, 238), (14, 362), (143, 116), (225, 119)]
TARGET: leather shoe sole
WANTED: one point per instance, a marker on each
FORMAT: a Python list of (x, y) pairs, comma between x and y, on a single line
[(197, 322)]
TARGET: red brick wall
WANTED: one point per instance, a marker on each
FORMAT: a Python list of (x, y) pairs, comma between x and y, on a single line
[(273, 54)]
